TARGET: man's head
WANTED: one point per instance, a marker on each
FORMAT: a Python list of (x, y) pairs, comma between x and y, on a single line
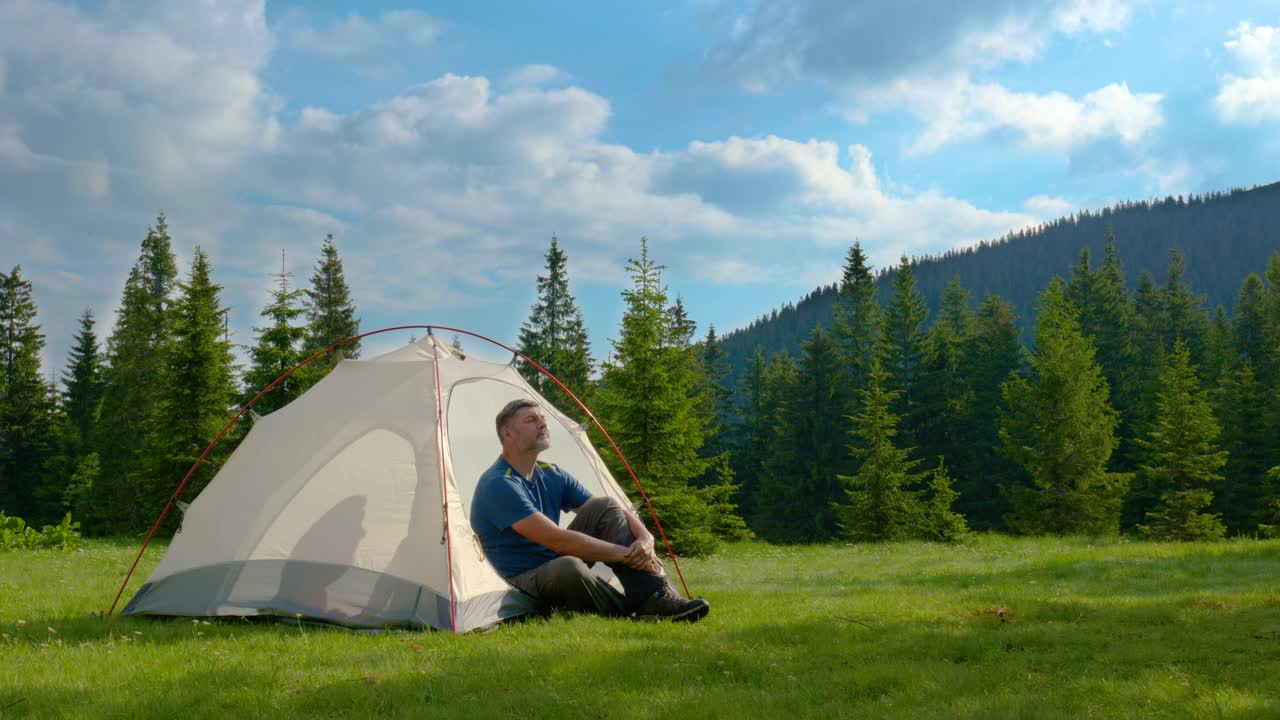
[(522, 426)]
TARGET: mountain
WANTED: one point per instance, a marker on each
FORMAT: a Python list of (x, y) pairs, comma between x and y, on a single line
[(1224, 237)]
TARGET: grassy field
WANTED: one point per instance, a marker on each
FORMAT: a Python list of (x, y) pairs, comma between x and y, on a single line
[(1005, 628)]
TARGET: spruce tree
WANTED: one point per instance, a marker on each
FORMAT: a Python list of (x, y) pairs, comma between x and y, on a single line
[(903, 351), (1183, 311), (945, 394), (554, 337), (81, 400), (132, 384), (1240, 406), (331, 314), (1249, 327), (26, 409), (765, 387), (278, 348), (884, 499), (199, 392), (1182, 453), (856, 332), (1269, 371), (993, 353), (797, 502), (1060, 426), (649, 402), (1219, 354), (716, 393), (1104, 307), (83, 383)]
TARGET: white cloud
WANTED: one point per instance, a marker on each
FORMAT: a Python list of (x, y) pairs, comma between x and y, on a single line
[(1253, 97), (864, 43), (1047, 207), (879, 58), (957, 110), (730, 271), (441, 198), (535, 76), (355, 36)]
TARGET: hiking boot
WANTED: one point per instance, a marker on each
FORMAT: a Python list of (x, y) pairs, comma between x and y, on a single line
[(666, 604)]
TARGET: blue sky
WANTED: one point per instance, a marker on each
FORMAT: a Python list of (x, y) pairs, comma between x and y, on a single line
[(442, 144)]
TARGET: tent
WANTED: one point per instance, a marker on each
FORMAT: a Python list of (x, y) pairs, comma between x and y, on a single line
[(350, 505)]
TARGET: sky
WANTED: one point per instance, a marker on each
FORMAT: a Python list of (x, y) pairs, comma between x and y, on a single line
[(443, 144)]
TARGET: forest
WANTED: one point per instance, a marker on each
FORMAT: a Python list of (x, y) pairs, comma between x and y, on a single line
[(1126, 405)]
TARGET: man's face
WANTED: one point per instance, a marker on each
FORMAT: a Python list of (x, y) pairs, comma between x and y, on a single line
[(529, 430)]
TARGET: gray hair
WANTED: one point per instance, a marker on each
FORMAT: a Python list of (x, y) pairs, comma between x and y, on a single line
[(509, 411)]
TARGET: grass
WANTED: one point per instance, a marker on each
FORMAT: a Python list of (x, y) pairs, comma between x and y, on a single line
[(1005, 628)]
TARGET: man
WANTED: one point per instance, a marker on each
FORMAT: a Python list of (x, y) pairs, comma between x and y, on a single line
[(516, 515)]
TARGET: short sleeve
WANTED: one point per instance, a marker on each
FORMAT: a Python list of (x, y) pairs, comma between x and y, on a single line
[(574, 495), (503, 505)]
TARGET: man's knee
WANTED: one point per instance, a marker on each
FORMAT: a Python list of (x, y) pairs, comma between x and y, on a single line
[(601, 504)]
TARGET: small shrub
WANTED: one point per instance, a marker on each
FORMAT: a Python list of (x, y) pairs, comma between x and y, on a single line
[(15, 534)]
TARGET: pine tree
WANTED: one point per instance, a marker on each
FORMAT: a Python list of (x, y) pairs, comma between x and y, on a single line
[(764, 387), (648, 401), (199, 391), (554, 337), (1060, 426), (797, 501), (884, 500), (945, 395), (716, 393), (856, 332), (1247, 441), (904, 352), (81, 401), (1104, 306), (132, 383), (26, 410), (278, 349), (1183, 311), (83, 383), (1249, 329), (1182, 454), (331, 314), (1269, 371), (1219, 354), (993, 353)]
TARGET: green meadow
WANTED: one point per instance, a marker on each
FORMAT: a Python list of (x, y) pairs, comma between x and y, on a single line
[(1003, 628)]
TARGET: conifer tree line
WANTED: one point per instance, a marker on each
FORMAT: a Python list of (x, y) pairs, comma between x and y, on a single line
[(1136, 411), (111, 440)]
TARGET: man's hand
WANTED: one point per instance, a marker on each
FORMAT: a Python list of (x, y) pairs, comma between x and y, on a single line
[(640, 556)]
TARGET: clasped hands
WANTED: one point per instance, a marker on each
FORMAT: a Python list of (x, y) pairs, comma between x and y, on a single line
[(640, 556)]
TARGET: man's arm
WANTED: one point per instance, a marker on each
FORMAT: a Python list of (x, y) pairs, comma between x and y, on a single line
[(539, 528), (641, 556)]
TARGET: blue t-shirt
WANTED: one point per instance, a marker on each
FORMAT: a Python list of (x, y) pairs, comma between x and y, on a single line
[(504, 497)]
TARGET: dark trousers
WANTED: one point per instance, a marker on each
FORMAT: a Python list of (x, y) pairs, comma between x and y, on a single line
[(568, 583)]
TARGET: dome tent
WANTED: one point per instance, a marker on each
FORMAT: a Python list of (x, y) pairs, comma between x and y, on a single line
[(350, 505)]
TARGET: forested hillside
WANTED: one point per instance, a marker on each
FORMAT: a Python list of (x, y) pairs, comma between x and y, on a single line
[(1223, 236)]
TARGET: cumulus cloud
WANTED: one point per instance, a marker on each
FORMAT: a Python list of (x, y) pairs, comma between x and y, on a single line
[(356, 37), (534, 76), (954, 109), (441, 198), (863, 42), (879, 57), (1048, 207), (1254, 96)]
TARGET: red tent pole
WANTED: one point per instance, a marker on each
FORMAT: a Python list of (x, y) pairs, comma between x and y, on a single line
[(320, 353)]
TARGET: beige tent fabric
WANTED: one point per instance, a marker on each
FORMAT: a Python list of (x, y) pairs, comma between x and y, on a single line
[(334, 509)]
